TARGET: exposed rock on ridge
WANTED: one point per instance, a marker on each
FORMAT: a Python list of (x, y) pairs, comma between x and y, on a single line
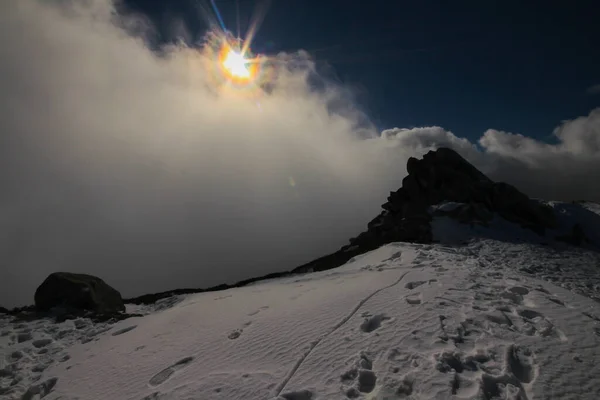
[(442, 176)]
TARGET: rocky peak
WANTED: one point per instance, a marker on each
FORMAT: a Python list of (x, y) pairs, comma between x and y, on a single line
[(444, 176), (441, 176)]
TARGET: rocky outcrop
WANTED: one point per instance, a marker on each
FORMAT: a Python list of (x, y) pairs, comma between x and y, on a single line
[(78, 292), (444, 176), (441, 176)]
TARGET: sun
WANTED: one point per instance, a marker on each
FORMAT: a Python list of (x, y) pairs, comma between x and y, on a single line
[(236, 65)]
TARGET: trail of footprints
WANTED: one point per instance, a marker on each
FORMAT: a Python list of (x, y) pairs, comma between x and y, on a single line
[(502, 372), (503, 307), (360, 379), (507, 306), (491, 373), (487, 373), (21, 369), (500, 306), (236, 333)]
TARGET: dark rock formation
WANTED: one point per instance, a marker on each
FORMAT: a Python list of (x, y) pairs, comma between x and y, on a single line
[(75, 292), (442, 176)]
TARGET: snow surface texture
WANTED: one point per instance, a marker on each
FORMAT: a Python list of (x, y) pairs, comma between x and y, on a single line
[(488, 319)]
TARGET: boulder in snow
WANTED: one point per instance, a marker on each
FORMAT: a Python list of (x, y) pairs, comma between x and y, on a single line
[(78, 292)]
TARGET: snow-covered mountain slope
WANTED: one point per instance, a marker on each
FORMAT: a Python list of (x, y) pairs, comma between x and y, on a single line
[(484, 320)]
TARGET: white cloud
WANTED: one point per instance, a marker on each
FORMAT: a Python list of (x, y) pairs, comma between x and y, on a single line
[(567, 170), (132, 166), (137, 168)]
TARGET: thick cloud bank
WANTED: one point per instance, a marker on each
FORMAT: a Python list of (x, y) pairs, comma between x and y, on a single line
[(134, 166)]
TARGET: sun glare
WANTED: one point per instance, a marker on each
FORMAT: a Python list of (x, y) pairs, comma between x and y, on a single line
[(239, 67), (235, 64)]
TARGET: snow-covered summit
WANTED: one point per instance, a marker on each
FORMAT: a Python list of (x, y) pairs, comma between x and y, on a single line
[(485, 320)]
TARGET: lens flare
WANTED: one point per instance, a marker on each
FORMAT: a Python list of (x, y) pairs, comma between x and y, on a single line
[(232, 63), (233, 71), (235, 63)]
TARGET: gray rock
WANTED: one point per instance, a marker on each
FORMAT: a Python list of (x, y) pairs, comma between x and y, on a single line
[(444, 176), (77, 292)]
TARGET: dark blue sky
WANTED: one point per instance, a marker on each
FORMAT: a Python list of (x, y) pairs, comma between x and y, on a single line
[(519, 66)]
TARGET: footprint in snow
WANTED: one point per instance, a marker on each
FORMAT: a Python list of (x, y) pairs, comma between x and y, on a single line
[(414, 299), (362, 375), (520, 363), (166, 373), (15, 355), (39, 368), (557, 301), (513, 297), (394, 256), (40, 390), (457, 363), (238, 332), (519, 290), (257, 311), (534, 323), (372, 323), (366, 380), (352, 393), (415, 284), (297, 395), (23, 337), (405, 388), (235, 334), (520, 369), (124, 330), (530, 314), (41, 342)]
